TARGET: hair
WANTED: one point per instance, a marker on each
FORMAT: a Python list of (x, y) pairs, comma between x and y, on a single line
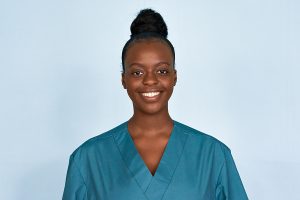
[(146, 26)]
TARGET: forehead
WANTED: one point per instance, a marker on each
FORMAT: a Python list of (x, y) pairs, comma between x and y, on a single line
[(147, 52)]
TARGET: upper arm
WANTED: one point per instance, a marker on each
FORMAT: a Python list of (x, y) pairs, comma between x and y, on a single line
[(75, 188), (229, 184)]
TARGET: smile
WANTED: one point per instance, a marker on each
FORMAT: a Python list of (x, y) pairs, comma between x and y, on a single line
[(150, 94)]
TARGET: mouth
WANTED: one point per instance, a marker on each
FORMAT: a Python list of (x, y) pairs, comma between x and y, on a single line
[(151, 97), (150, 94)]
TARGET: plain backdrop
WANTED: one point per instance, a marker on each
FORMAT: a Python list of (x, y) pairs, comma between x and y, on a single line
[(238, 80)]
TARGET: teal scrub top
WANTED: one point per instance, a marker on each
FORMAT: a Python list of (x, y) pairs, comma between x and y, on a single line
[(194, 166)]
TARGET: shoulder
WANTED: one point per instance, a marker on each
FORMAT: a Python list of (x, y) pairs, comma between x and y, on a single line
[(99, 142), (201, 139)]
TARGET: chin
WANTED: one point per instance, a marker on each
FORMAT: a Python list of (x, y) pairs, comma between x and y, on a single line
[(151, 109)]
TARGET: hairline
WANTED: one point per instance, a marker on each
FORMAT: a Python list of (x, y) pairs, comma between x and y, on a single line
[(134, 40)]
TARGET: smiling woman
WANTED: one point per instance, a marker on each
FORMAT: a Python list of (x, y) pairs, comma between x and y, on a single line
[(151, 156)]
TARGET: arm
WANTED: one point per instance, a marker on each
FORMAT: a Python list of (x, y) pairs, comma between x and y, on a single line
[(75, 188), (229, 185)]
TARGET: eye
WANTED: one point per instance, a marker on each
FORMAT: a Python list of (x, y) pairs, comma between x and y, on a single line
[(163, 71), (137, 73)]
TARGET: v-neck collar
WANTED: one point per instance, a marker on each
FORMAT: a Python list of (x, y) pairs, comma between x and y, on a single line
[(155, 186)]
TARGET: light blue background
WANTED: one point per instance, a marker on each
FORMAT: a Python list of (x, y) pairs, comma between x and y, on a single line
[(238, 80)]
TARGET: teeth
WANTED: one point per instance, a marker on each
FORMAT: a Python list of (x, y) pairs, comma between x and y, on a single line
[(150, 94)]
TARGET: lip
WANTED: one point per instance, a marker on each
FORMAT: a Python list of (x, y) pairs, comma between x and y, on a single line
[(151, 96)]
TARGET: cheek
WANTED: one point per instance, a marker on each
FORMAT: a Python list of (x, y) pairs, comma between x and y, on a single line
[(168, 84), (130, 94), (131, 88), (169, 87), (132, 85), (170, 92)]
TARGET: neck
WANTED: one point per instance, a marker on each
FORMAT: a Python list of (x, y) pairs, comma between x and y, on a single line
[(150, 123)]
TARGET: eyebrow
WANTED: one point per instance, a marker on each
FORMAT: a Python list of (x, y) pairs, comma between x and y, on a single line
[(132, 64), (157, 64)]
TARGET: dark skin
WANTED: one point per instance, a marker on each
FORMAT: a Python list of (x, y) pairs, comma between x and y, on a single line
[(149, 78)]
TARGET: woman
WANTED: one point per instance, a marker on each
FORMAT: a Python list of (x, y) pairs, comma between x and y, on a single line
[(151, 156)]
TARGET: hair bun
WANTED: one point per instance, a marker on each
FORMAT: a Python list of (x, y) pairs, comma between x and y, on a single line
[(149, 21)]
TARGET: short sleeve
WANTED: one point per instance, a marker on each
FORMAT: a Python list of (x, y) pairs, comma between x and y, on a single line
[(75, 188), (229, 185)]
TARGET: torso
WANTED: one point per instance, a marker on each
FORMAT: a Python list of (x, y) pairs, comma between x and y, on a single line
[(191, 167)]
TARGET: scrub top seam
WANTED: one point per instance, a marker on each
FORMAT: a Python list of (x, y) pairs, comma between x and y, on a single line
[(180, 157), (124, 164), (84, 182), (220, 172), (149, 184), (221, 168)]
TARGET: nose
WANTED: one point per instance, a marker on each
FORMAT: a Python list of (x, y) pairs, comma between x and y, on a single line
[(150, 79)]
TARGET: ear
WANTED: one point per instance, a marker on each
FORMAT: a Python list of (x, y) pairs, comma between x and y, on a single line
[(175, 77), (123, 81)]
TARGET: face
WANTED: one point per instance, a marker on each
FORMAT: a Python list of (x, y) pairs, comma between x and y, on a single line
[(149, 76)]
